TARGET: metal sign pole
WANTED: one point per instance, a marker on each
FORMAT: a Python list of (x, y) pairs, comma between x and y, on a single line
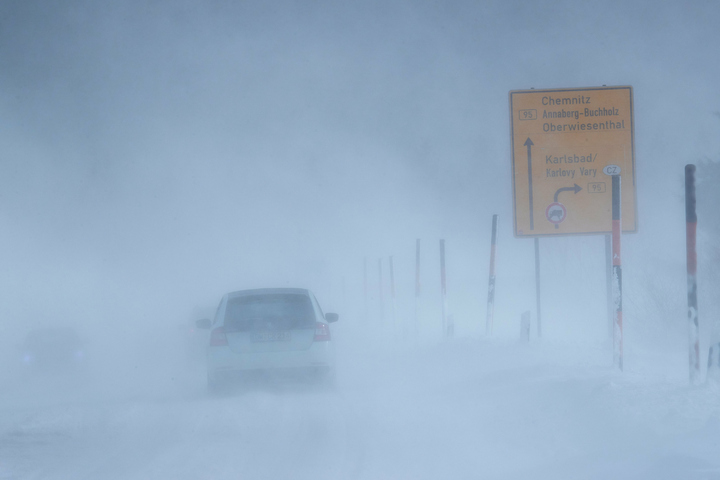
[(617, 272), (690, 230), (491, 280), (537, 286)]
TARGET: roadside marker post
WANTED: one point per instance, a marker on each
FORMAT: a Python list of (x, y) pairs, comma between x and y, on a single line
[(609, 285), (491, 280), (617, 272), (690, 240)]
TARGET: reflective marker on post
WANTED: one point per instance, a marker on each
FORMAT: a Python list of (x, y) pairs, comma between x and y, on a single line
[(617, 273), (690, 229)]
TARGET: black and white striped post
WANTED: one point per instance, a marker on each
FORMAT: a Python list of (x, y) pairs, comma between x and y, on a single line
[(491, 280), (617, 273), (690, 241)]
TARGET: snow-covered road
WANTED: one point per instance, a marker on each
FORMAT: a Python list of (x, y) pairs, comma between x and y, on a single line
[(463, 409)]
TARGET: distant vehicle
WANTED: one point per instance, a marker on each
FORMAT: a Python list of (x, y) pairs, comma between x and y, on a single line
[(275, 331), (53, 349)]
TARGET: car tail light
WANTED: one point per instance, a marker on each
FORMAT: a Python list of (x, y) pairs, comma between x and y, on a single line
[(218, 338), (322, 332)]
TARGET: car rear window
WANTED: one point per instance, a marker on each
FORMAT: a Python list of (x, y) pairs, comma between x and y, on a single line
[(269, 312)]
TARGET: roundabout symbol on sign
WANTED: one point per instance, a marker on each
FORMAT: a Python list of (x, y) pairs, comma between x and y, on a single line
[(555, 213)]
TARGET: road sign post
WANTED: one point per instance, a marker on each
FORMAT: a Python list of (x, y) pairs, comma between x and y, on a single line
[(690, 239), (491, 280), (617, 271), (537, 286), (562, 140)]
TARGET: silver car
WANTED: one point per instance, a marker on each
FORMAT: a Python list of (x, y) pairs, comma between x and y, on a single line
[(273, 331)]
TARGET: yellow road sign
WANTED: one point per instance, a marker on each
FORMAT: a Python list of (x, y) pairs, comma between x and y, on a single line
[(565, 145)]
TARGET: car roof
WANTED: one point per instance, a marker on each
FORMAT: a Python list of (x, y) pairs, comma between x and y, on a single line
[(269, 291)]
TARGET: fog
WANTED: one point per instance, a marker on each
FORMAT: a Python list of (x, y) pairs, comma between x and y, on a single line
[(157, 155)]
